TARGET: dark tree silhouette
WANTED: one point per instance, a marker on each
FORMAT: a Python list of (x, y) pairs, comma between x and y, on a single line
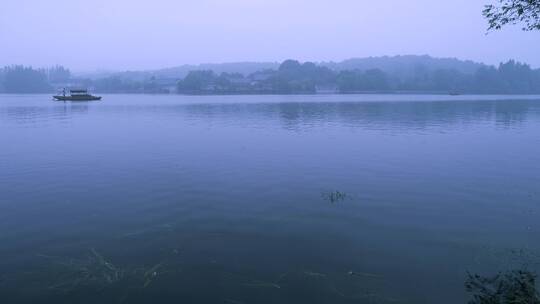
[(20, 79), (526, 12)]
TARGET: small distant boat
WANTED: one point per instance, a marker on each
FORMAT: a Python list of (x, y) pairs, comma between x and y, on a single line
[(76, 95), (453, 93)]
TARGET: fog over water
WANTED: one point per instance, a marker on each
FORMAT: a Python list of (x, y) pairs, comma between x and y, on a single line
[(119, 35)]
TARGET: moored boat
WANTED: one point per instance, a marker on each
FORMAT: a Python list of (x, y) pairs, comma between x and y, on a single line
[(76, 95)]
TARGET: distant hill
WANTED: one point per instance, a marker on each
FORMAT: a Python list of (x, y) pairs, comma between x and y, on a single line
[(244, 68), (420, 74), (180, 72), (398, 66), (405, 66)]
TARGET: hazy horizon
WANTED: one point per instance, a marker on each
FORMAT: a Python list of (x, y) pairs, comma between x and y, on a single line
[(127, 35), (206, 65)]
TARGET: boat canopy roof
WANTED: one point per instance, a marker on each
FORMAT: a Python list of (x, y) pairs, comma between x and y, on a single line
[(78, 91)]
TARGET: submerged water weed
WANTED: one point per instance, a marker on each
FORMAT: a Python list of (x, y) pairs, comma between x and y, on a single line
[(364, 274), (314, 274), (96, 272), (151, 274), (334, 196), (261, 284), (512, 287)]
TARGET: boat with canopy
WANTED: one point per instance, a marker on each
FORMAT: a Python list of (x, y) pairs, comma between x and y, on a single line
[(76, 95)]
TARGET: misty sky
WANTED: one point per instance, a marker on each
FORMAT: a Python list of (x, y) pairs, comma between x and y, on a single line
[(133, 34)]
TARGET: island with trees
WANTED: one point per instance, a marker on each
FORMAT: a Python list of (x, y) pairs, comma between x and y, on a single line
[(398, 74)]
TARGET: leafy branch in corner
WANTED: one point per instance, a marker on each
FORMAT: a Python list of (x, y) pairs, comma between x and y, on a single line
[(526, 12)]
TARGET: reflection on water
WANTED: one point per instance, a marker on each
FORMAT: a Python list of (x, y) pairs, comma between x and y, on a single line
[(411, 115), (293, 115), (265, 199)]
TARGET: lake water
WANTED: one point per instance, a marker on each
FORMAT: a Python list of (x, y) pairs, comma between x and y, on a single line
[(265, 199)]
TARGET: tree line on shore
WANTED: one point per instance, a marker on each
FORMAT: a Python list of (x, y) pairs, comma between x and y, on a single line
[(290, 77)]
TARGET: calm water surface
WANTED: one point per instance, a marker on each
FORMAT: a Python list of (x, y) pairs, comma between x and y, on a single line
[(178, 199)]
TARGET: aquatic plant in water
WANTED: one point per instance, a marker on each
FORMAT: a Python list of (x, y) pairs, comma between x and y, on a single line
[(512, 287), (334, 196), (151, 274), (96, 272)]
